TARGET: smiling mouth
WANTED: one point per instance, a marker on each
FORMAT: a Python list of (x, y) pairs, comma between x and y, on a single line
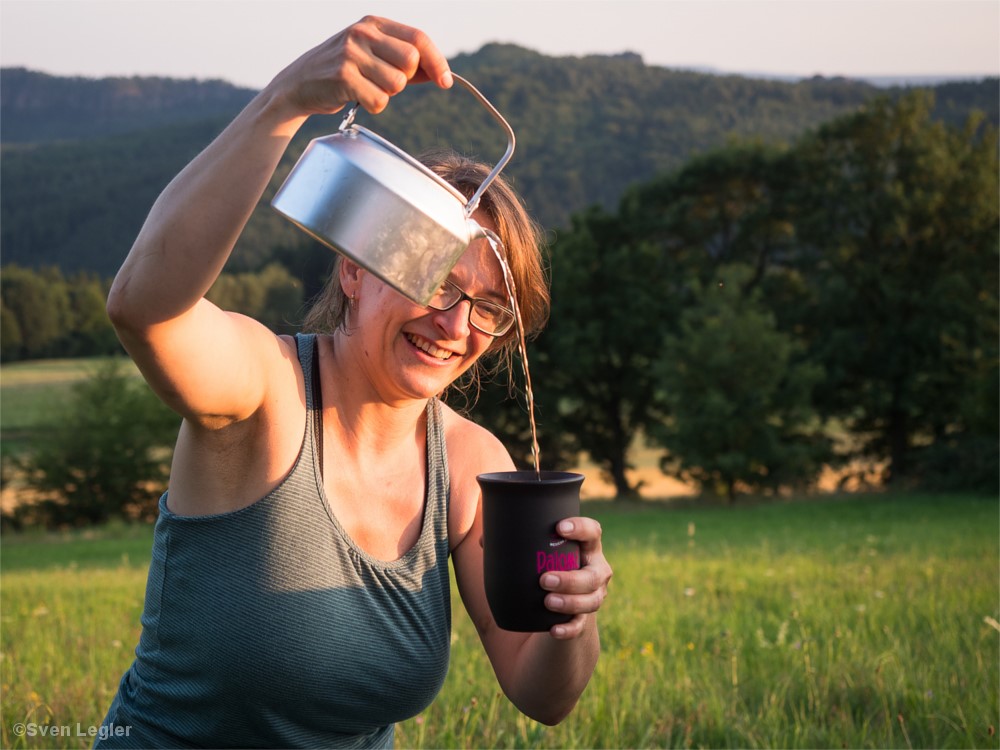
[(428, 347)]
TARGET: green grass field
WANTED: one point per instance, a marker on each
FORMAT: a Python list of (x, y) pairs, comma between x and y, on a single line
[(866, 621)]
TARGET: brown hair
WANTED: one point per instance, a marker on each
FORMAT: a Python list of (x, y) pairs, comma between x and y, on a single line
[(522, 239)]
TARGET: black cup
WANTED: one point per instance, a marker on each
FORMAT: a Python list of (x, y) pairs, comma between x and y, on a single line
[(520, 513)]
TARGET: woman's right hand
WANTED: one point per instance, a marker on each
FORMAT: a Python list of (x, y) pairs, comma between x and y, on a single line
[(215, 368), (368, 62)]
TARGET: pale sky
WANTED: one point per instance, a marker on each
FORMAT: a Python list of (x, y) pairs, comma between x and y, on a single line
[(247, 41)]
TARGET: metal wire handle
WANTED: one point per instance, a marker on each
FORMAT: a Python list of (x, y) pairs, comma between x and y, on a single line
[(473, 203)]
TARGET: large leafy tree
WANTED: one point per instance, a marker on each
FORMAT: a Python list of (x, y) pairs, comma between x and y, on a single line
[(737, 394), (610, 312), (897, 226), (725, 214), (726, 206)]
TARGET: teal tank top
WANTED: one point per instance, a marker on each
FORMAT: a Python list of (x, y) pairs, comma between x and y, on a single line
[(269, 627)]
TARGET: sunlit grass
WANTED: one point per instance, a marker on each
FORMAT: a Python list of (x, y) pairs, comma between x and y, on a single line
[(833, 623), (66, 634), (857, 624)]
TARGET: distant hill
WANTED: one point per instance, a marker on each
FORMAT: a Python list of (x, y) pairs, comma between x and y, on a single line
[(83, 159), (37, 107)]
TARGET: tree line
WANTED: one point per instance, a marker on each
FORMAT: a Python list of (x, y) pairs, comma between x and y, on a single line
[(46, 313), (764, 311), (757, 314)]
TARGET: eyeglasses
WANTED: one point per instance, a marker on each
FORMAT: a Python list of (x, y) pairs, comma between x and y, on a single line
[(485, 316)]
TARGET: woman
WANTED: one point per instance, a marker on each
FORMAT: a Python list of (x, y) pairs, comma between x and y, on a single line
[(298, 590)]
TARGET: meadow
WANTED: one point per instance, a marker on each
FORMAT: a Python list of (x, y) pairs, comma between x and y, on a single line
[(832, 621), (858, 621)]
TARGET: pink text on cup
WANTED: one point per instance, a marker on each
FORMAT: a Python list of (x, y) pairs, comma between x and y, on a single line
[(557, 561)]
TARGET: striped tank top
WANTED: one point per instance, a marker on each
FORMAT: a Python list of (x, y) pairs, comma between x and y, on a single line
[(269, 627)]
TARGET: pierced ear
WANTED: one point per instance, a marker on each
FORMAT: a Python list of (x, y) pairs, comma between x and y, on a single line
[(350, 277)]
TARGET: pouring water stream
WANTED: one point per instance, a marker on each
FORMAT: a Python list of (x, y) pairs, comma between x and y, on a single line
[(499, 250)]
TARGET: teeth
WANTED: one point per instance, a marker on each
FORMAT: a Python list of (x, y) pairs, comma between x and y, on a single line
[(428, 347)]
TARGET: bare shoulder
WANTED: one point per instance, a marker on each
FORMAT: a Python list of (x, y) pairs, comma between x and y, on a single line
[(472, 446), (285, 403), (472, 450)]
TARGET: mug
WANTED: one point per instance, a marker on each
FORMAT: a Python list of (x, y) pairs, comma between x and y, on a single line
[(520, 543)]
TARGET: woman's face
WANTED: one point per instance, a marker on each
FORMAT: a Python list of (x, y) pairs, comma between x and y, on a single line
[(414, 352)]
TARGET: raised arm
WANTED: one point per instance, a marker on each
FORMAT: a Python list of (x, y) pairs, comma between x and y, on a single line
[(209, 365)]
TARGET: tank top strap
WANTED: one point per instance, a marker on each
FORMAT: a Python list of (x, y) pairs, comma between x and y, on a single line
[(309, 360), (438, 480), (306, 346)]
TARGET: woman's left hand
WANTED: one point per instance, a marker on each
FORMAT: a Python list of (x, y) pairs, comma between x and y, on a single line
[(578, 592)]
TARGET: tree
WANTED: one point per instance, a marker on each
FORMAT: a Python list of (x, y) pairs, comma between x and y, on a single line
[(272, 296), (725, 206), (45, 314), (39, 304), (896, 219), (107, 456), (90, 331), (11, 340), (281, 306), (605, 331), (735, 394)]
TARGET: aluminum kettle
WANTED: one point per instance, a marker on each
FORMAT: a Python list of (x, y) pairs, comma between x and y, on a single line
[(357, 193)]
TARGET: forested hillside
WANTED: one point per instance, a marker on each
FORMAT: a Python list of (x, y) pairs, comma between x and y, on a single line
[(83, 160), (39, 107)]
